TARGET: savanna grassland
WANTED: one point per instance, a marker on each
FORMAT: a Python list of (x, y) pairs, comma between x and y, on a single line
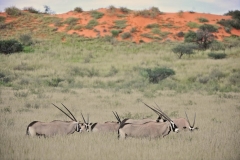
[(101, 75)]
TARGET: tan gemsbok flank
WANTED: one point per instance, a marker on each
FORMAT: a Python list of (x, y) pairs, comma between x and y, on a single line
[(56, 127), (148, 129), (109, 126)]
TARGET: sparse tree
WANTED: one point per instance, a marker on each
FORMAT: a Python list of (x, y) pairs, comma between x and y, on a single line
[(184, 48)]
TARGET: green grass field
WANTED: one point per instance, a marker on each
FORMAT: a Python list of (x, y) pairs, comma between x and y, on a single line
[(96, 77)]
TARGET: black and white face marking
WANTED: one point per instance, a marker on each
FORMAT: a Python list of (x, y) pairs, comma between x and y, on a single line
[(78, 128), (174, 127)]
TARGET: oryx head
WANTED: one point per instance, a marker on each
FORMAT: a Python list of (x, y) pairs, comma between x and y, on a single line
[(173, 126), (78, 127), (87, 125), (191, 127)]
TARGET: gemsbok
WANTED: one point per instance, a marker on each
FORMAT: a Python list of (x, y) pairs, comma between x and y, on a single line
[(182, 123), (56, 127), (148, 129), (109, 126)]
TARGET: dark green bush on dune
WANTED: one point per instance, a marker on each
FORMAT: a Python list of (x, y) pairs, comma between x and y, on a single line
[(157, 74), (10, 46)]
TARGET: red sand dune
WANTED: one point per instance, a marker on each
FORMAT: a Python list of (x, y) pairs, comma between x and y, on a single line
[(168, 22)]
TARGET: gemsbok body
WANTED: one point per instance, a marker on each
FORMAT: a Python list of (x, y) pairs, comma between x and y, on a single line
[(148, 129), (182, 123), (109, 126), (56, 127)]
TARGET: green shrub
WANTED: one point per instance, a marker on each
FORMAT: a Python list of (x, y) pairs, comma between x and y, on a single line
[(96, 14), (91, 24), (216, 46), (235, 14), (2, 19), (133, 29), (54, 82), (120, 24), (208, 27), (78, 9), (153, 25), (28, 49), (13, 11), (10, 46), (31, 10), (192, 25), (235, 78), (180, 34), (157, 74), (202, 20), (217, 55), (115, 33), (71, 21), (124, 10), (190, 36), (147, 13), (126, 35), (26, 39), (184, 48)]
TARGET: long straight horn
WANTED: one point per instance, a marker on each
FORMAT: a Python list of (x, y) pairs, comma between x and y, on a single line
[(163, 114), (118, 117), (88, 118), (194, 120), (70, 112), (83, 119), (63, 112), (188, 119), (152, 109), (159, 112)]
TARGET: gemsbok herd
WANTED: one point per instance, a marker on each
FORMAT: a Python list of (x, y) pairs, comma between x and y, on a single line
[(141, 128)]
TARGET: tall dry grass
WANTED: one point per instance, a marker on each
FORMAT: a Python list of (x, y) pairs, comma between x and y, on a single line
[(95, 77), (217, 119)]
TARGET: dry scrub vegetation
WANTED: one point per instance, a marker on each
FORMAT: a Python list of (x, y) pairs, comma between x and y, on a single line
[(96, 76)]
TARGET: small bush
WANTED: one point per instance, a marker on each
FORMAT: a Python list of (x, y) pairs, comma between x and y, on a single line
[(91, 24), (13, 11), (235, 78), (71, 21), (192, 25), (120, 24), (96, 14), (235, 14), (112, 8), (208, 27), (26, 39), (217, 55), (54, 82), (126, 35), (153, 25), (133, 30), (115, 33), (202, 20), (157, 74), (180, 34), (78, 9), (190, 36), (10, 46), (31, 10), (124, 10), (147, 13), (2, 19)]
